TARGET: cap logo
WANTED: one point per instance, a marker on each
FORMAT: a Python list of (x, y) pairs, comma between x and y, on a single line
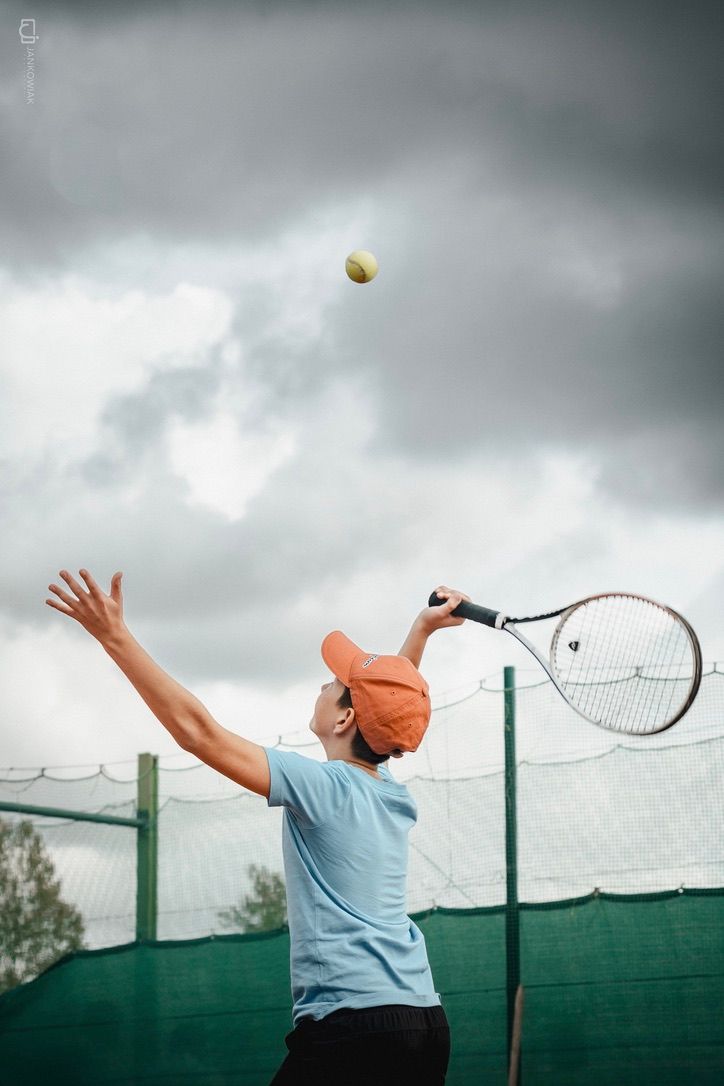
[(369, 660)]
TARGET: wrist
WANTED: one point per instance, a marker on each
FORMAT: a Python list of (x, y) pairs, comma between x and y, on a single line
[(423, 624), (114, 639)]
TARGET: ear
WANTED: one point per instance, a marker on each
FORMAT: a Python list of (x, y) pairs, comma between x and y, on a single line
[(344, 721)]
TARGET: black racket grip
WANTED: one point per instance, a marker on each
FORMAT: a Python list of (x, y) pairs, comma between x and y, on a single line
[(467, 610)]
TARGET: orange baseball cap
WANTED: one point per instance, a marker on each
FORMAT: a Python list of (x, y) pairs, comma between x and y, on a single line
[(389, 695)]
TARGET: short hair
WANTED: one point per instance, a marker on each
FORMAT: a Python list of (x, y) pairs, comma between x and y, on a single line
[(360, 747)]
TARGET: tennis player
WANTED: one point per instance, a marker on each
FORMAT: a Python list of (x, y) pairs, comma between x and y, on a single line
[(365, 1007)]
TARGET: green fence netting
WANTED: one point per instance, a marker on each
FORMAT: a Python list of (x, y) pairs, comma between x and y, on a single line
[(620, 873)]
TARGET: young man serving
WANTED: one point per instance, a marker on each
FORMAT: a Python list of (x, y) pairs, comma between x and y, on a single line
[(365, 1005)]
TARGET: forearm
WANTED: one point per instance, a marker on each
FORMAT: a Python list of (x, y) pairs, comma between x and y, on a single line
[(414, 644), (180, 712)]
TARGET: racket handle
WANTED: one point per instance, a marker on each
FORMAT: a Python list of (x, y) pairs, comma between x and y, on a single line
[(472, 611)]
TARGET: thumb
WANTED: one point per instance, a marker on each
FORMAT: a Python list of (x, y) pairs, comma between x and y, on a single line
[(116, 586), (451, 602)]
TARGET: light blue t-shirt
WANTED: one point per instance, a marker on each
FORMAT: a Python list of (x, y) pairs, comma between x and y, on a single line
[(345, 861)]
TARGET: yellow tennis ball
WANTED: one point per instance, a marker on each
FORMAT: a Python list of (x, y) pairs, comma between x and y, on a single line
[(361, 266)]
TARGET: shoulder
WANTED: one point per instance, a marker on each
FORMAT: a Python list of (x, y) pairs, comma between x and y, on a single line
[(290, 761), (312, 790)]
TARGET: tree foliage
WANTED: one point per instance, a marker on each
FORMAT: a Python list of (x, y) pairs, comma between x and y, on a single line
[(36, 926), (263, 910)]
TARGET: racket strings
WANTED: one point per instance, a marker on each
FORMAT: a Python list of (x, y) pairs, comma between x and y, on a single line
[(662, 710), (625, 662), (612, 699), (640, 707), (647, 704), (657, 688)]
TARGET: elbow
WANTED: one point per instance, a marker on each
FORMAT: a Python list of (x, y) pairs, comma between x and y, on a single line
[(194, 731)]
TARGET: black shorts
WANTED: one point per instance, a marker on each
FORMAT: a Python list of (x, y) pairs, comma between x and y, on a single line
[(395, 1044)]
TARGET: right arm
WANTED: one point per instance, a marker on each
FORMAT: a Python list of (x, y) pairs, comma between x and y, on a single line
[(429, 620)]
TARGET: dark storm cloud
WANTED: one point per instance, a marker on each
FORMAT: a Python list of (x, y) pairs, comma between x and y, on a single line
[(516, 357), (226, 119), (555, 171)]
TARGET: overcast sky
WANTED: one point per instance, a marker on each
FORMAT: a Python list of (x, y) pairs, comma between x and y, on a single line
[(526, 403)]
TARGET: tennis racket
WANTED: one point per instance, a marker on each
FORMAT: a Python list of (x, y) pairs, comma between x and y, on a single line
[(622, 661)]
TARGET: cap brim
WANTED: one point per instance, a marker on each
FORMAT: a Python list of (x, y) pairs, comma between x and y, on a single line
[(339, 654)]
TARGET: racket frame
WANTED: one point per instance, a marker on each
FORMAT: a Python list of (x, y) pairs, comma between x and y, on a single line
[(499, 621), (693, 643)]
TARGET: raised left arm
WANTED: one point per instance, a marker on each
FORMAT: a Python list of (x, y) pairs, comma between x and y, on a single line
[(182, 714)]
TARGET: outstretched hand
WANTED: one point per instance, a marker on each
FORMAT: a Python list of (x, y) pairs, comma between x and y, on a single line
[(436, 618), (99, 614)]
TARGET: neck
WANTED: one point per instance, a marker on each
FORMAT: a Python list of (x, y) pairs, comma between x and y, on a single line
[(364, 765)]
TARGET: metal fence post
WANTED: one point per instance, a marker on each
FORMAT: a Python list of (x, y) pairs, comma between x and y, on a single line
[(512, 931), (147, 847)]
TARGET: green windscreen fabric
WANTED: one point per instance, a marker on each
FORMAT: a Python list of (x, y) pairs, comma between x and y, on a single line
[(618, 990)]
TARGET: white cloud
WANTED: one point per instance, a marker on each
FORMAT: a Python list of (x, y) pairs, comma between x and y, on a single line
[(65, 701), (222, 467), (68, 347), (281, 284)]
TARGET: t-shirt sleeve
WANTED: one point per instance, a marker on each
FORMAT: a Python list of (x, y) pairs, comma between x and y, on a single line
[(313, 791)]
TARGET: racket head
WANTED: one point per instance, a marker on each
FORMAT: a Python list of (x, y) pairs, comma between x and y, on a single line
[(626, 662)]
